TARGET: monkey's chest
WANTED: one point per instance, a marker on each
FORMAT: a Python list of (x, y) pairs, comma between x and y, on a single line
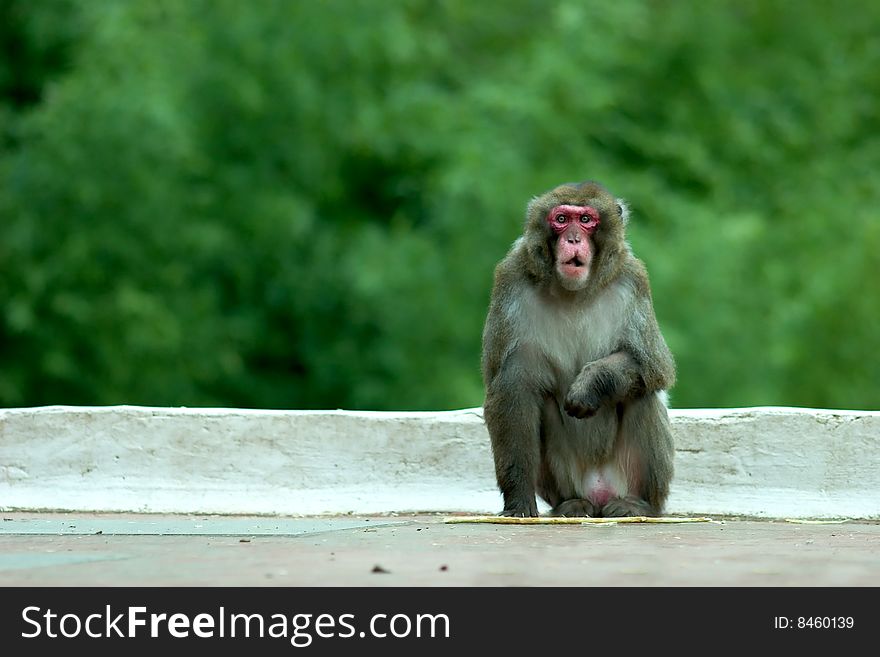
[(572, 343), (571, 335)]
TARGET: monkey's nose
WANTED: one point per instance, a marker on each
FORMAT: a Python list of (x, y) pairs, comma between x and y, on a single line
[(573, 238)]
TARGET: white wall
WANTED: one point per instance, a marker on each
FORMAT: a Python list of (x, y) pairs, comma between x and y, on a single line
[(774, 462)]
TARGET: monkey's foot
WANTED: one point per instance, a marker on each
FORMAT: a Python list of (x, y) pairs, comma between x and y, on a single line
[(520, 510), (574, 509), (621, 507)]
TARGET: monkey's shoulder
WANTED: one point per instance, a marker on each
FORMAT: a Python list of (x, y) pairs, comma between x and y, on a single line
[(634, 273), (512, 273)]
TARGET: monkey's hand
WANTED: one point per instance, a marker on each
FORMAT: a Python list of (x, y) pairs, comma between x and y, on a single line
[(593, 386)]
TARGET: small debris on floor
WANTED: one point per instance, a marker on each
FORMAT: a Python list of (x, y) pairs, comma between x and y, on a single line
[(379, 569)]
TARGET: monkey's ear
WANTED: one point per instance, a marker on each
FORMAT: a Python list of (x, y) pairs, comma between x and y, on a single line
[(623, 211)]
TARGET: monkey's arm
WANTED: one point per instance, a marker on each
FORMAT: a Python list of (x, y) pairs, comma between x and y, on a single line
[(512, 413), (512, 373), (642, 365), (498, 338), (612, 379), (645, 344)]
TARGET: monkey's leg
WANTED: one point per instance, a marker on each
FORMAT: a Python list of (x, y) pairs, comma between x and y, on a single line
[(571, 480), (644, 452), (512, 412)]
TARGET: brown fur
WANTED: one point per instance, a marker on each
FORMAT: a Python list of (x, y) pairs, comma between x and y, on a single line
[(529, 377)]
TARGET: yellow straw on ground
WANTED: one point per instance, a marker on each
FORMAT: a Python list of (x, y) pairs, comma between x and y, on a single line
[(803, 521), (504, 520)]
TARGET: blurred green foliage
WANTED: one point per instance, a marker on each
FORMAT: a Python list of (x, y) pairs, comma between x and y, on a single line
[(298, 204)]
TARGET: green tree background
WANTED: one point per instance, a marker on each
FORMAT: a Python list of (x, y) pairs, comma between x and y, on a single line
[(298, 204)]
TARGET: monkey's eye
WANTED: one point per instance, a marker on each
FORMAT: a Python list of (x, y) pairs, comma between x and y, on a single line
[(585, 218), (561, 218)]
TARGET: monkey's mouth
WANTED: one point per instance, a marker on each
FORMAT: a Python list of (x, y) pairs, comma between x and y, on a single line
[(574, 268)]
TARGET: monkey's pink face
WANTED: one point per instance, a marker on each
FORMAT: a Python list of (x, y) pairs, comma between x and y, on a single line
[(573, 225)]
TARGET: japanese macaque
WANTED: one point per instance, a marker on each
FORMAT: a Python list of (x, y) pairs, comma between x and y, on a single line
[(575, 367)]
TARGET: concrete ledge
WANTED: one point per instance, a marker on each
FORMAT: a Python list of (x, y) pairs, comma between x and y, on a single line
[(765, 462)]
